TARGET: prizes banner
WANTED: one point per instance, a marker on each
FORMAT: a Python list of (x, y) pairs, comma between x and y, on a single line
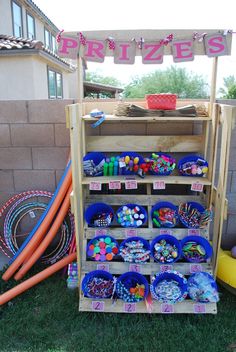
[(152, 52)]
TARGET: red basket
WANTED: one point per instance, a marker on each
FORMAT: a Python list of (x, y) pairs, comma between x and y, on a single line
[(161, 101)]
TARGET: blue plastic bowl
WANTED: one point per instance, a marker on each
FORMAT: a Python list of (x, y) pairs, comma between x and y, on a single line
[(136, 238), (97, 157), (170, 239), (96, 208), (202, 241), (131, 279), (195, 205), (134, 155), (170, 275), (190, 158), (152, 172), (96, 273), (132, 206), (200, 290), (97, 238), (160, 205)]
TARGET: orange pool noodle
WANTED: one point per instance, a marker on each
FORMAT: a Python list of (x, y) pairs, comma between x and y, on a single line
[(34, 280)]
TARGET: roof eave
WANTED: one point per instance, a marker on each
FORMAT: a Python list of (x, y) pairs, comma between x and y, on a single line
[(35, 52)]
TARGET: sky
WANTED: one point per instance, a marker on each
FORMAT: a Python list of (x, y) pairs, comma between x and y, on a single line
[(77, 15)]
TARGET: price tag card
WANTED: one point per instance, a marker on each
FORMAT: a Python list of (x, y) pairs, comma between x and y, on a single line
[(195, 268), (131, 232), (166, 232), (199, 308), (104, 267), (100, 232), (135, 267), (114, 185), (197, 186), (131, 184), (95, 186), (193, 232), (159, 184), (98, 306), (167, 308), (165, 267), (130, 307)]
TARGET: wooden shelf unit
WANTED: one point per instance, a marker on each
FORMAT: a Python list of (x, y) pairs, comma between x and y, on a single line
[(111, 137)]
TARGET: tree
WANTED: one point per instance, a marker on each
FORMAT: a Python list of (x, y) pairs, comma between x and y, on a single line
[(229, 90), (172, 80), (97, 78)]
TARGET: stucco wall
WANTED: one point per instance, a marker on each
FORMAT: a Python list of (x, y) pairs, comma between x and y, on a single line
[(25, 78)]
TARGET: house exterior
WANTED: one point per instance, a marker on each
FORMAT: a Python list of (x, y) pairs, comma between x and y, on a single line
[(29, 65)]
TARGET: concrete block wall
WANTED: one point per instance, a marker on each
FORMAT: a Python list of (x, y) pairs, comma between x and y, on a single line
[(34, 145)]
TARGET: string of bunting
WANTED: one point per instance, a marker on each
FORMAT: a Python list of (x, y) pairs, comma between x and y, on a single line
[(152, 52)]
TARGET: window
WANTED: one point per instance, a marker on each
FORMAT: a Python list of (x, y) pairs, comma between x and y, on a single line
[(54, 44), (17, 20), (47, 39), (30, 26), (55, 90)]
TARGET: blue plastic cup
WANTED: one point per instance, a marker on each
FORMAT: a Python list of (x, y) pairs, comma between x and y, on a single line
[(95, 209), (99, 274), (170, 205), (191, 158), (97, 157), (146, 244), (164, 173), (192, 205), (169, 276), (132, 206), (199, 240), (169, 239), (129, 280)]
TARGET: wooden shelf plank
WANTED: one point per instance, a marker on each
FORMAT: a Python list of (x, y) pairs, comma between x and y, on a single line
[(120, 199), (113, 118), (147, 233), (186, 306), (118, 268), (178, 180)]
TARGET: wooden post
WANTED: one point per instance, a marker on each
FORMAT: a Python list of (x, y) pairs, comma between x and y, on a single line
[(213, 83), (80, 68)]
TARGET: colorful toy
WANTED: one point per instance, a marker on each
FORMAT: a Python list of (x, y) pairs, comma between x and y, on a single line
[(132, 287), (233, 252), (196, 249), (72, 280), (164, 214), (102, 248), (170, 287), (93, 164), (202, 288), (161, 164), (98, 284), (99, 215), (193, 165), (131, 215), (135, 250), (193, 215), (165, 249)]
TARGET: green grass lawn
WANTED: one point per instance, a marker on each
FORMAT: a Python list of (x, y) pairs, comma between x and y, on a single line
[(46, 319)]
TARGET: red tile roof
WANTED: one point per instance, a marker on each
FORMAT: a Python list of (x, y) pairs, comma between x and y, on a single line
[(8, 42)]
